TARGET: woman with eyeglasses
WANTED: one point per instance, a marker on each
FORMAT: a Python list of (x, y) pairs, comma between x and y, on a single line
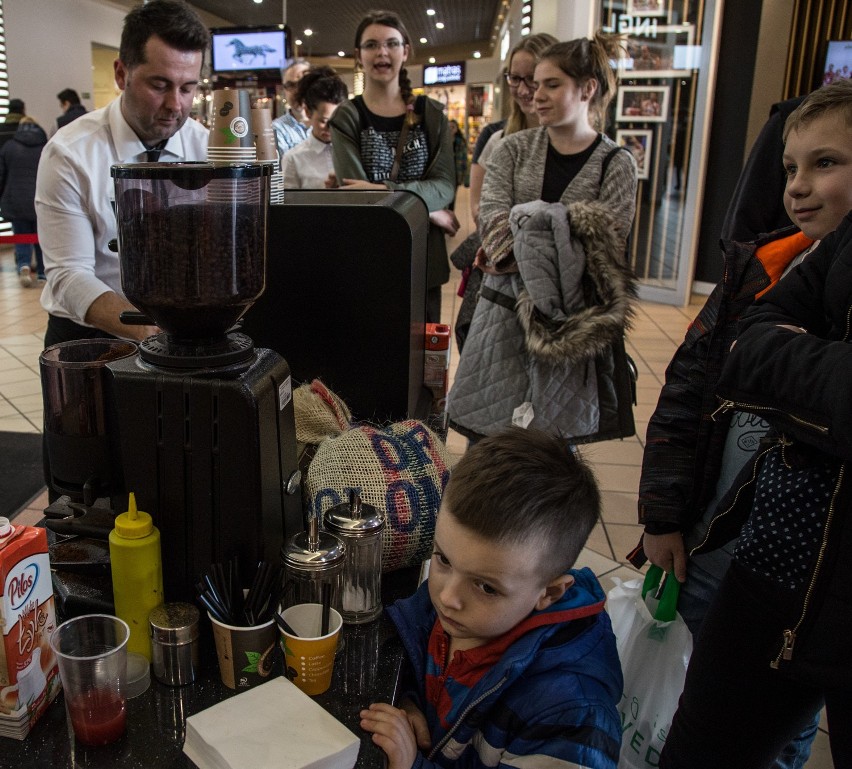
[(385, 139), (522, 115), (545, 347)]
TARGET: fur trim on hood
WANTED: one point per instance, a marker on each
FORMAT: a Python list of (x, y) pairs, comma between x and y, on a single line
[(609, 288)]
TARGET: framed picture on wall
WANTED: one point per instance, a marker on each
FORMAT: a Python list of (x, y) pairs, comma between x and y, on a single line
[(646, 8), (640, 142), (666, 51), (642, 104)]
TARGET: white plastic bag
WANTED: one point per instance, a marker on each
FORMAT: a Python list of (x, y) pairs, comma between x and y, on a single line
[(654, 654)]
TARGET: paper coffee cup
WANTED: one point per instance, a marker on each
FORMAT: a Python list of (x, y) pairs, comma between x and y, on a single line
[(245, 653), (309, 655), (264, 136), (230, 119)]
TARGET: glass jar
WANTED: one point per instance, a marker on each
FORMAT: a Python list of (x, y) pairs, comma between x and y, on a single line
[(360, 526)]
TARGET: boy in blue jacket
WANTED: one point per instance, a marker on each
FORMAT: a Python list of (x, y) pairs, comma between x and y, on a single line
[(512, 656)]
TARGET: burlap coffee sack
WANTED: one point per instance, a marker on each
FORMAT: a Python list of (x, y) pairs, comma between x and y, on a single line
[(401, 469), (319, 413)]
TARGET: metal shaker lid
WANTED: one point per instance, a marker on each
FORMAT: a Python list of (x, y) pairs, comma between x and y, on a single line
[(313, 549), (354, 518), (174, 623)]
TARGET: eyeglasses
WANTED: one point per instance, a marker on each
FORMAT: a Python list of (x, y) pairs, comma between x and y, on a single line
[(393, 44), (515, 81)]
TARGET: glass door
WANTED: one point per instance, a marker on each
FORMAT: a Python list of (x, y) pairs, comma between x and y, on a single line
[(661, 113)]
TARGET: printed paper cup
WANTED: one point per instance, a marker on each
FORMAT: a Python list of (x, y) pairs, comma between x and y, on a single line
[(308, 655)]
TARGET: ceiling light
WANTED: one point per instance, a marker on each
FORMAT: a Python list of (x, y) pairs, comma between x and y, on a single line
[(258, 1), (525, 31), (430, 12), (308, 32), (527, 8), (439, 24), (476, 54), (431, 59), (526, 21), (297, 42), (341, 53), (423, 40)]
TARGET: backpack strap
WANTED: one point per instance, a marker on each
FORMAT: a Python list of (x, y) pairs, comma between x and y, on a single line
[(606, 161)]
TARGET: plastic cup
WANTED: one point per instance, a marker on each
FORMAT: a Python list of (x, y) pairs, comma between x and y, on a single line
[(309, 655), (245, 653), (92, 655)]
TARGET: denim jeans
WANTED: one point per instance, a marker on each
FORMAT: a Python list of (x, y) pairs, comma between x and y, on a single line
[(696, 595), (24, 251)]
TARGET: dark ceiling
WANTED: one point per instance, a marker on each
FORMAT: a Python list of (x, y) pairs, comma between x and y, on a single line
[(469, 24)]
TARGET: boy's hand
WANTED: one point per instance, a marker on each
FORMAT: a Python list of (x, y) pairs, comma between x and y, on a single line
[(392, 732), (418, 723)]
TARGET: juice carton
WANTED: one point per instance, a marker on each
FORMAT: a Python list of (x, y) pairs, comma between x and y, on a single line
[(29, 674), (436, 362)]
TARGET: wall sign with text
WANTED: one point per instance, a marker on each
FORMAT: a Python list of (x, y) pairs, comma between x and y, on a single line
[(441, 74)]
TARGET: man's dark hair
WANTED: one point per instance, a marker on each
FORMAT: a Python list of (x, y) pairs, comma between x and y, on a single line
[(321, 84), (16, 106), (69, 95), (173, 21), (524, 486)]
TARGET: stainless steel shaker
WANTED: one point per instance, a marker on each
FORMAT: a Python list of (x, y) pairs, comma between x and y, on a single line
[(312, 559), (360, 526), (174, 643)]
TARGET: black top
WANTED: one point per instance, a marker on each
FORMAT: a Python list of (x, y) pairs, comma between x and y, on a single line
[(560, 170)]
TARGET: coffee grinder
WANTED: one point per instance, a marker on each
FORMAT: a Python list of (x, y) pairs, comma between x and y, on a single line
[(205, 420)]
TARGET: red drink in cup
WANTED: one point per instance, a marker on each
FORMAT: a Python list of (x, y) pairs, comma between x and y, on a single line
[(99, 716)]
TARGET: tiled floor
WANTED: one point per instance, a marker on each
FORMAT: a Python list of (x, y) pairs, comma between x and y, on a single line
[(657, 332)]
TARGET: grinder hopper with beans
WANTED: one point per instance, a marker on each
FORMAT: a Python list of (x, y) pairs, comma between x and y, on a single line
[(205, 419)]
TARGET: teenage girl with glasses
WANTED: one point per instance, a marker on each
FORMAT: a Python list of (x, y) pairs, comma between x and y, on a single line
[(549, 318), (385, 139)]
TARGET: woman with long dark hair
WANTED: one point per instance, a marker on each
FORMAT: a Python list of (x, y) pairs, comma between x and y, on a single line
[(386, 139)]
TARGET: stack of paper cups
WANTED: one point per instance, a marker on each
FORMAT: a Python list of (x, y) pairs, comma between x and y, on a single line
[(267, 149), (231, 138)]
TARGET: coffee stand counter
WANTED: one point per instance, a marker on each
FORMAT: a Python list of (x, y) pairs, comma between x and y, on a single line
[(365, 671)]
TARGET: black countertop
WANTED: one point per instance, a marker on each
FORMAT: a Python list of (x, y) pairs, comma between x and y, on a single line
[(365, 671)]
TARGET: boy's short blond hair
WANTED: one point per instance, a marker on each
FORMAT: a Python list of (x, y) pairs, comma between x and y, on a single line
[(836, 97)]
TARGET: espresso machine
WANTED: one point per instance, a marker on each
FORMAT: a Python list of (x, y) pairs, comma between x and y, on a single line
[(201, 421)]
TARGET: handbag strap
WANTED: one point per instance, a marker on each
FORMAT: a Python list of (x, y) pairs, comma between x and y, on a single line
[(667, 607)]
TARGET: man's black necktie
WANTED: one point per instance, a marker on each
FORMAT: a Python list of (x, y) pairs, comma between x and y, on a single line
[(153, 154)]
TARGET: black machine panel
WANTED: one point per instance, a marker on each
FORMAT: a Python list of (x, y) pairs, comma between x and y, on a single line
[(345, 297)]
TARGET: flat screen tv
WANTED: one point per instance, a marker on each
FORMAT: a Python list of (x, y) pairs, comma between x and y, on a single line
[(249, 49), (838, 61)]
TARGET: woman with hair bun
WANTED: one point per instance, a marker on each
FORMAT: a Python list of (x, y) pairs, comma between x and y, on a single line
[(385, 139), (544, 345)]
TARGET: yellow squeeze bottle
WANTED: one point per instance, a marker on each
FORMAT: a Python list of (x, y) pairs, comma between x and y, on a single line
[(137, 573)]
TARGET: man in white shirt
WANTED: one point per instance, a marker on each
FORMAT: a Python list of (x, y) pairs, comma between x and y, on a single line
[(309, 164), (159, 65)]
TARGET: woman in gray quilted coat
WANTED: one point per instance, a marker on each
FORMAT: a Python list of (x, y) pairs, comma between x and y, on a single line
[(557, 205)]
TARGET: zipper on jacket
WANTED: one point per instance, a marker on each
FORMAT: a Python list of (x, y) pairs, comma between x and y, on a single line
[(786, 653), (733, 504), (727, 405), (448, 736)]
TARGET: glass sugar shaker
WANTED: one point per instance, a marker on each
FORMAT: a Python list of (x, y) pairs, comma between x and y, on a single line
[(313, 558), (360, 526)]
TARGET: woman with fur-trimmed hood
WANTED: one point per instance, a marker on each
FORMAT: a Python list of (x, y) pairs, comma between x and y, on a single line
[(557, 205)]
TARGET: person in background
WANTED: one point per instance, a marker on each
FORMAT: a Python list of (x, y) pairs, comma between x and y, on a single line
[(157, 70), (291, 128), (519, 78), (537, 343), (692, 453), (512, 656), (309, 164), (18, 167), (459, 157), (386, 139), (784, 596), (69, 102), (10, 123), (522, 112)]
